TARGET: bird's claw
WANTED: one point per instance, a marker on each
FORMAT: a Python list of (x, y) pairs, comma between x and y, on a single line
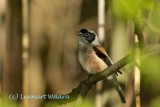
[(118, 72)]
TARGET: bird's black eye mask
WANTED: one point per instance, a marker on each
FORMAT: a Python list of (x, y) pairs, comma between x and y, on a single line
[(89, 37)]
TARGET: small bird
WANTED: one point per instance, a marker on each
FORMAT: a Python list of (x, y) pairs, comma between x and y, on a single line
[(94, 59)]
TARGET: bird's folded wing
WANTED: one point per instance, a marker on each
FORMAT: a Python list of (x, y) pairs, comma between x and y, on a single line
[(101, 53)]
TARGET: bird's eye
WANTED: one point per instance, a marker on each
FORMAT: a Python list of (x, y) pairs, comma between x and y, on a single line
[(87, 34)]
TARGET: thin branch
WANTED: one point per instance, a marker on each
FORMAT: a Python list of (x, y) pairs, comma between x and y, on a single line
[(25, 50), (101, 33), (137, 75)]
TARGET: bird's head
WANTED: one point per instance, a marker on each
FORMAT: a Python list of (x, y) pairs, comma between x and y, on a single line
[(87, 37)]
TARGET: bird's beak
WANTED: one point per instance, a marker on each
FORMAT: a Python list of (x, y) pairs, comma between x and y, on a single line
[(78, 33)]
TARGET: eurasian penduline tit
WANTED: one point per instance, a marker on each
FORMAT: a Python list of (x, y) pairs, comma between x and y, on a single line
[(93, 58)]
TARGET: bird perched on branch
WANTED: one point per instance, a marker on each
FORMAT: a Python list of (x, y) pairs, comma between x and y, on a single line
[(94, 59)]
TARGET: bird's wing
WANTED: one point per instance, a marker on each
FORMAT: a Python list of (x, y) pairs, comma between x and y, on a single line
[(101, 53)]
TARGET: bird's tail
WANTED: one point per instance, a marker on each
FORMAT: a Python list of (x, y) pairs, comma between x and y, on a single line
[(115, 84)]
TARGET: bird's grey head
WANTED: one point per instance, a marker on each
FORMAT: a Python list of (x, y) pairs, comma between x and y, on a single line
[(87, 37)]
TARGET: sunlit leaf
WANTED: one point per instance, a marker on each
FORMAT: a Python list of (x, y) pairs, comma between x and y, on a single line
[(130, 8)]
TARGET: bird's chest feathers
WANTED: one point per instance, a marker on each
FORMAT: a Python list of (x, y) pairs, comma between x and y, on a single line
[(90, 61)]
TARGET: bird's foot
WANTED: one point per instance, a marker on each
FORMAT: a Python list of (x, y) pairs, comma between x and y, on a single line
[(118, 72)]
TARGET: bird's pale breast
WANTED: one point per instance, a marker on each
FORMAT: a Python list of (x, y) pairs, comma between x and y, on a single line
[(91, 62)]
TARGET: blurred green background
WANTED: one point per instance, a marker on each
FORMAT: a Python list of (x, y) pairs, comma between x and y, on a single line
[(38, 49)]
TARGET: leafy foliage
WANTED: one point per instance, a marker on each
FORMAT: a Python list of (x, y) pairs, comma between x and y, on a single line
[(125, 9)]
